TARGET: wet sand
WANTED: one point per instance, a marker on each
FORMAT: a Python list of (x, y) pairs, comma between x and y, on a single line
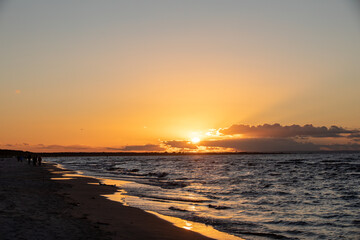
[(32, 206)]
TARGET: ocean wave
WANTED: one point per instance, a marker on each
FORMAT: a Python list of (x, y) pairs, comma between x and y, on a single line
[(172, 184), (158, 174), (177, 209), (218, 207), (290, 223), (258, 188), (176, 199), (265, 235)]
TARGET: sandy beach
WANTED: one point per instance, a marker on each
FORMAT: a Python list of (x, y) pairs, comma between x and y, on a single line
[(32, 206)]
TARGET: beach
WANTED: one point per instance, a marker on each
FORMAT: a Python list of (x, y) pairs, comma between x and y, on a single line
[(226, 197), (38, 202)]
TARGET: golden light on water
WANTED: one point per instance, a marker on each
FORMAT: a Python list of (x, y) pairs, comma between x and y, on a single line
[(201, 228), (206, 230), (188, 225)]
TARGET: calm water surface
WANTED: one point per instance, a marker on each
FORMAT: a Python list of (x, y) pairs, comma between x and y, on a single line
[(274, 196)]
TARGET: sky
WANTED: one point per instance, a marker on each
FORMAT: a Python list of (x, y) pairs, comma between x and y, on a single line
[(179, 75)]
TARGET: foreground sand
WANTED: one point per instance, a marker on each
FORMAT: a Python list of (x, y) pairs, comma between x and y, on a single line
[(32, 206)]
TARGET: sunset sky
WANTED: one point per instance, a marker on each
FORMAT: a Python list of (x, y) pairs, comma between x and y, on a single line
[(179, 75)]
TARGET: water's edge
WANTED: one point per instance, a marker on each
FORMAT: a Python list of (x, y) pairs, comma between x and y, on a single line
[(120, 195)]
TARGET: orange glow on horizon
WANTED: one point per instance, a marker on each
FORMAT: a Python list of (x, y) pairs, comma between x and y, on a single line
[(195, 140)]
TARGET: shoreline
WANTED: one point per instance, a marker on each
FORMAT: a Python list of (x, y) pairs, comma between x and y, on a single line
[(36, 204), (31, 206), (118, 196)]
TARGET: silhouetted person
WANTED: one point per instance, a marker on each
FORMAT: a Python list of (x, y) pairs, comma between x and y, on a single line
[(39, 160), (29, 159), (34, 160), (18, 158)]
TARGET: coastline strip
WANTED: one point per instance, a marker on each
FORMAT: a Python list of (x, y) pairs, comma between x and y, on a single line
[(116, 195), (33, 206), (123, 222)]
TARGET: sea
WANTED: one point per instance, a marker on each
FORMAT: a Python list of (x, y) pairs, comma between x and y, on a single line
[(251, 196)]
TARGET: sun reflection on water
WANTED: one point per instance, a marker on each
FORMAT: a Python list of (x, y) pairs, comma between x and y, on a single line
[(201, 228), (188, 225)]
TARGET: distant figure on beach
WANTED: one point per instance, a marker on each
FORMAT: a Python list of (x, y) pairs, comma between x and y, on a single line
[(39, 160), (29, 159), (18, 158), (34, 160)]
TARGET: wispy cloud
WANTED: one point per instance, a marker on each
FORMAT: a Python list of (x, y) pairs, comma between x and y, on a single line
[(355, 136), (141, 148), (82, 148), (180, 144), (262, 144), (279, 131), (52, 148), (342, 147), (64, 148)]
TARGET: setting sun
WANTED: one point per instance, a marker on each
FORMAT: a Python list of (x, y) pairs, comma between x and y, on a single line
[(195, 140)]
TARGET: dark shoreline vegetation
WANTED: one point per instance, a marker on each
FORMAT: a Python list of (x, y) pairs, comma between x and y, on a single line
[(8, 153)]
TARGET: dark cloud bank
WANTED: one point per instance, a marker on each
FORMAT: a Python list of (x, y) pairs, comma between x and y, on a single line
[(278, 131), (144, 148), (277, 138), (181, 144)]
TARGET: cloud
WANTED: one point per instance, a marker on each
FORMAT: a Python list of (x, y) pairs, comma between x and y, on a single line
[(273, 145), (279, 131), (342, 147), (62, 148), (355, 136), (81, 148), (180, 144), (144, 148), (262, 145), (51, 148)]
